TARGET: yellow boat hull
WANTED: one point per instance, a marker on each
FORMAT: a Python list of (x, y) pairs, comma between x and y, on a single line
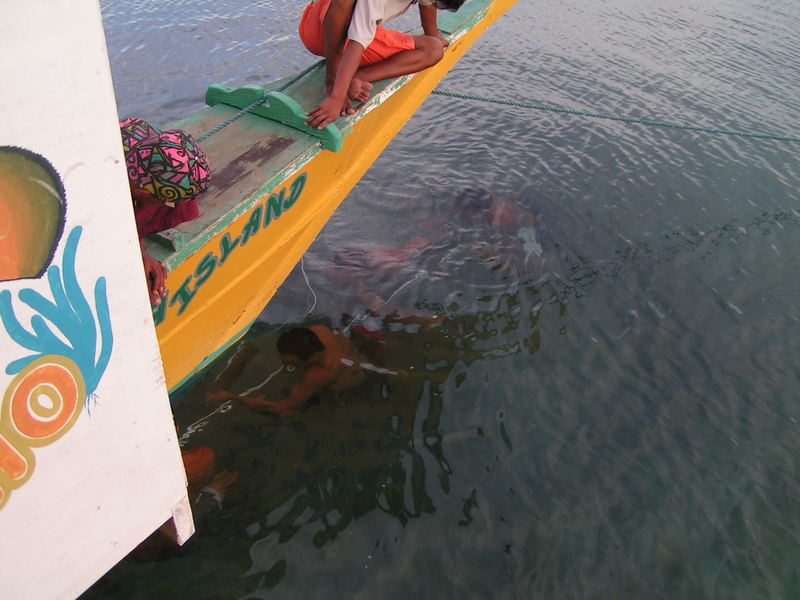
[(218, 288)]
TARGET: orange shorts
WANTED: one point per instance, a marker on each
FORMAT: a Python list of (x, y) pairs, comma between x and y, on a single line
[(199, 464), (387, 42)]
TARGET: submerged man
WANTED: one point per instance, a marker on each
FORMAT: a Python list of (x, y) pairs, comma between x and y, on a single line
[(328, 360)]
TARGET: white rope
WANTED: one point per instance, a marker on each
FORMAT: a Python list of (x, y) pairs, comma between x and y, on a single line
[(230, 361), (308, 283), (417, 275), (368, 367), (201, 423)]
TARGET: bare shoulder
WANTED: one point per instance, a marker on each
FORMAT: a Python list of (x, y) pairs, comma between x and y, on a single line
[(321, 331)]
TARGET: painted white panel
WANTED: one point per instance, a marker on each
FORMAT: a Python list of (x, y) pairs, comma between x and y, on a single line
[(81, 487)]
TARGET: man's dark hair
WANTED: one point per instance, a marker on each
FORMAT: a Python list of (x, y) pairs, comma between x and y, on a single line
[(300, 342), (451, 5)]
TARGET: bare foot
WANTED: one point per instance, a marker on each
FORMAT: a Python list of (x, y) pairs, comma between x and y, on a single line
[(347, 107), (359, 90)]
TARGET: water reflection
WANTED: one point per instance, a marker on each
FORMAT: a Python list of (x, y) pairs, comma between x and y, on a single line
[(375, 448), (383, 450)]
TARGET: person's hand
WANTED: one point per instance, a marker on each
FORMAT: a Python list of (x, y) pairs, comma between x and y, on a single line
[(217, 397), (156, 276), (441, 37), (281, 407), (325, 114)]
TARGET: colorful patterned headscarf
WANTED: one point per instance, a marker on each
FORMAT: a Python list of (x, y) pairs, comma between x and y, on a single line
[(168, 164)]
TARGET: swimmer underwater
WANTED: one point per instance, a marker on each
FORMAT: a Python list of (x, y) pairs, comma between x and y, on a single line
[(328, 360)]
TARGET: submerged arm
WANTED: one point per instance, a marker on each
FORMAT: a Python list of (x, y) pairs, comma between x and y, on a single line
[(313, 382)]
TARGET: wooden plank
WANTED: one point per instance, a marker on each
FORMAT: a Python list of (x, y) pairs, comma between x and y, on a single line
[(89, 459)]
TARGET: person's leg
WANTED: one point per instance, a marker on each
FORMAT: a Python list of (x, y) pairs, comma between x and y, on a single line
[(323, 31), (311, 27), (426, 52), (335, 24)]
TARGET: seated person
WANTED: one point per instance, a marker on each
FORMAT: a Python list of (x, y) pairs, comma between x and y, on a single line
[(167, 171), (359, 51), (328, 360)]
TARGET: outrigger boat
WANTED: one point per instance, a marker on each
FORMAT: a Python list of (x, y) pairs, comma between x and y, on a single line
[(275, 184)]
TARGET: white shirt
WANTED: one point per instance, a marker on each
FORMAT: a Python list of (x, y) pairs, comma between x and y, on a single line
[(368, 14)]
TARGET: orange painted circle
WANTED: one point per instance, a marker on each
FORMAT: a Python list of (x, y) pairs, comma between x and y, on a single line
[(36, 402), (46, 398)]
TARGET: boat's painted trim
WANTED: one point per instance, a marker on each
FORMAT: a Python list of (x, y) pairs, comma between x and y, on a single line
[(181, 386)]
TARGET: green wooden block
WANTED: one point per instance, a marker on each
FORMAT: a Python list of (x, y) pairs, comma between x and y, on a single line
[(284, 109), (278, 107), (239, 97)]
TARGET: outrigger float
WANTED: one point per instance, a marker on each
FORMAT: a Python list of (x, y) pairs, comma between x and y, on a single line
[(275, 184)]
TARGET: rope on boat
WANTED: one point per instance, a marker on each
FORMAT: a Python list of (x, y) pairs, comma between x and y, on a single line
[(308, 283), (256, 104), (649, 122)]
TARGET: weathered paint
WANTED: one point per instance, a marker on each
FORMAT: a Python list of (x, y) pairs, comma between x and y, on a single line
[(223, 271), (202, 267), (54, 375), (85, 417)]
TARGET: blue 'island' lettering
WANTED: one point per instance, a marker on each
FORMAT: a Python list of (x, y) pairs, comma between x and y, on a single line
[(258, 220), (274, 207)]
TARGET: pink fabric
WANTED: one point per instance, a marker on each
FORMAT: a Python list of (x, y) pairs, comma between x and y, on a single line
[(168, 164), (152, 219)]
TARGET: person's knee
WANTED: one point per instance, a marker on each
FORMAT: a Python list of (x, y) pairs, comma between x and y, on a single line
[(433, 50)]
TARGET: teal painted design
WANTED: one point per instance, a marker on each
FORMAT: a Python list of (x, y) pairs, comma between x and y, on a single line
[(86, 336), (259, 219)]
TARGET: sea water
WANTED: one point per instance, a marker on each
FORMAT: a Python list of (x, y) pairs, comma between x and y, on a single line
[(617, 418)]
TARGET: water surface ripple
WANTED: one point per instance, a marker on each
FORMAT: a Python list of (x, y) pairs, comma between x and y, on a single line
[(618, 419)]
